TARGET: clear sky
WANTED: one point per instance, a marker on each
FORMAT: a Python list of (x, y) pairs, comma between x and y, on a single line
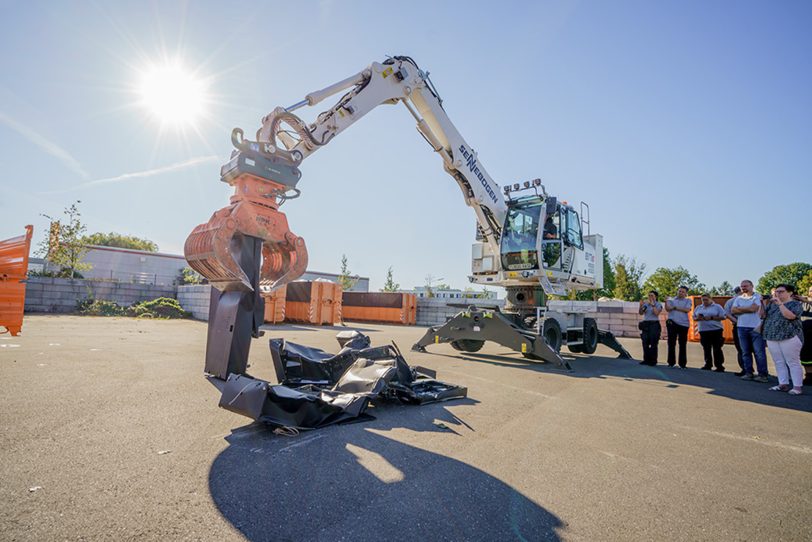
[(686, 125)]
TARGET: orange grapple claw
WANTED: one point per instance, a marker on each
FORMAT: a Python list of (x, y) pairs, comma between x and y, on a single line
[(254, 212)]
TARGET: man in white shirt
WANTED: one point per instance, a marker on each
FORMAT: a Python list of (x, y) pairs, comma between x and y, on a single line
[(745, 308), (736, 291)]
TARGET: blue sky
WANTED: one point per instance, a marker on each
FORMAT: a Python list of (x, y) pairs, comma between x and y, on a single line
[(686, 125)]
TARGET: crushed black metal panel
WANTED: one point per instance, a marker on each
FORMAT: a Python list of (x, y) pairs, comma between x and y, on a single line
[(281, 406), (296, 364), (318, 388)]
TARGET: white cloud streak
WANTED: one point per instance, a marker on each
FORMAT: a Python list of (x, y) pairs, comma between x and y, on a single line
[(177, 166), (45, 144)]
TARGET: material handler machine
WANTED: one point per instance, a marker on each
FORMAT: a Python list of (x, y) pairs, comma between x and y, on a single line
[(527, 241)]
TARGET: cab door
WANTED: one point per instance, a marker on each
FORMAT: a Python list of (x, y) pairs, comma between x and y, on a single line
[(572, 238)]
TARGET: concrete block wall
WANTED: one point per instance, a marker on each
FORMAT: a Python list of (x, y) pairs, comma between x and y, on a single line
[(45, 294), (195, 298), (434, 311), (619, 317)]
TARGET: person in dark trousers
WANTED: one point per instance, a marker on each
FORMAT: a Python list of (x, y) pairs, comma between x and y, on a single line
[(677, 326), (806, 322), (732, 317), (650, 329), (709, 317)]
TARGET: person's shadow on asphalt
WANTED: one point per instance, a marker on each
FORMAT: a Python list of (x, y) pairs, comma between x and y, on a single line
[(602, 366), (355, 482)]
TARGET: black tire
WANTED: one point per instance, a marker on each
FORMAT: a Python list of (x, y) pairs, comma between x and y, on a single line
[(467, 345), (590, 336), (576, 348), (551, 331)]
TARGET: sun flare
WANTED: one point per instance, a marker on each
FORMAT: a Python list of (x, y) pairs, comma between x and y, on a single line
[(172, 94)]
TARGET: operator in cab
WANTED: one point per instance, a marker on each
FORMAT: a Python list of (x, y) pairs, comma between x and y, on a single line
[(551, 250), (550, 229)]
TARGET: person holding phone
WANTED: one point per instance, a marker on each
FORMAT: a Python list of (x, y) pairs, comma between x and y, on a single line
[(783, 331), (650, 329)]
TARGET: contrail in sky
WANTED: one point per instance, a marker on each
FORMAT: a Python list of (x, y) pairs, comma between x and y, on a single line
[(48, 146), (177, 166)]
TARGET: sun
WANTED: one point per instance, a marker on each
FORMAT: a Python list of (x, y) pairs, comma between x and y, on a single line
[(172, 94)]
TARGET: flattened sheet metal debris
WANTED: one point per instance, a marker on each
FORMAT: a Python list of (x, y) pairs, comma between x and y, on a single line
[(318, 389)]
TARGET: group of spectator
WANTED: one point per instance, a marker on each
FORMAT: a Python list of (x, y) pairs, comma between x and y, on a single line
[(780, 322)]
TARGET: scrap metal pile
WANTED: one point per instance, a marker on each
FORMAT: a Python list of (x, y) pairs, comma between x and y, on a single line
[(318, 389)]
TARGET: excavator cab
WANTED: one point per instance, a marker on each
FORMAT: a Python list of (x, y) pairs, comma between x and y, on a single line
[(520, 236), (535, 228)]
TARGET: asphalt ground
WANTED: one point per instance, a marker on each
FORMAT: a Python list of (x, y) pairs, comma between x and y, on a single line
[(110, 431)]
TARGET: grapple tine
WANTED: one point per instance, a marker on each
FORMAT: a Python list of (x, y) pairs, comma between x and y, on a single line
[(208, 251), (284, 263)]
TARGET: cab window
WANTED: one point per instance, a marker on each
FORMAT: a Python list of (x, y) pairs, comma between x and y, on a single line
[(573, 233)]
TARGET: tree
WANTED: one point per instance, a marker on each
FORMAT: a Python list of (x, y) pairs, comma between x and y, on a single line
[(783, 274), (187, 275), (65, 248), (113, 239), (390, 285), (430, 279), (346, 280), (804, 284), (666, 281), (628, 274), (608, 281), (723, 289)]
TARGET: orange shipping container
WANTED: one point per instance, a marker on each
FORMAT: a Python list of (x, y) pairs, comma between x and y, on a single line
[(313, 302), (275, 305), (693, 333), (385, 307), (13, 271)]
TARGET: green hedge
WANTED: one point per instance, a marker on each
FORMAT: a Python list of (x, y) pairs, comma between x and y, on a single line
[(162, 307)]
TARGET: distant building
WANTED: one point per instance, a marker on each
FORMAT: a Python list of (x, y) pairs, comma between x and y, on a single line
[(361, 283), (129, 265), (141, 266), (450, 293)]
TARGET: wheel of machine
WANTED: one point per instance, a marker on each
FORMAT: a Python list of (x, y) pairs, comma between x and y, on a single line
[(590, 336), (551, 331), (467, 345)]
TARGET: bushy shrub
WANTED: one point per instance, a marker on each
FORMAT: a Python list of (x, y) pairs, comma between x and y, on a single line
[(187, 275), (162, 307), (99, 307)]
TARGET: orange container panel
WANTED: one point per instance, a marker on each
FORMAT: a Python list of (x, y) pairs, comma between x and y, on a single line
[(390, 308), (693, 332), (275, 305), (313, 302), (13, 271)]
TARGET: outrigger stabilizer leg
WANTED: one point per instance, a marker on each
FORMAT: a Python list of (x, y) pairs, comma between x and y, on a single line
[(475, 325), (608, 339)]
